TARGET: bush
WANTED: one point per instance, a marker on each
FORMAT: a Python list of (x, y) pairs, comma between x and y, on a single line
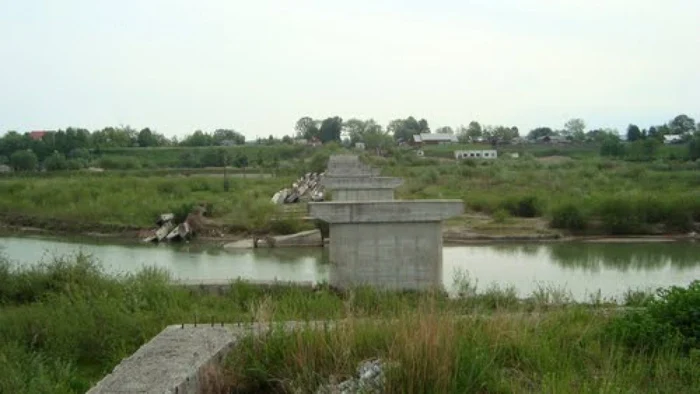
[(568, 216), (524, 207), (671, 319), (24, 160), (56, 162), (619, 216)]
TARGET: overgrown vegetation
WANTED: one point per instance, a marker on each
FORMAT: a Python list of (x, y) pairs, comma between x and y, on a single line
[(65, 323), (104, 199)]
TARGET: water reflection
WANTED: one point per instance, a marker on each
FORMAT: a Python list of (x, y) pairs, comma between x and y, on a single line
[(624, 257), (583, 268)]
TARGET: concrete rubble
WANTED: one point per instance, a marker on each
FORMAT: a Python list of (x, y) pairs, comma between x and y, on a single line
[(371, 379), (308, 187)]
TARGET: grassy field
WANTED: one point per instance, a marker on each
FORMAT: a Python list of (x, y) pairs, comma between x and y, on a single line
[(119, 200), (64, 324), (582, 195), (574, 191)]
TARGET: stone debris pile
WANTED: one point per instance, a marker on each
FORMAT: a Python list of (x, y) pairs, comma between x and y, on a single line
[(371, 379), (306, 188)]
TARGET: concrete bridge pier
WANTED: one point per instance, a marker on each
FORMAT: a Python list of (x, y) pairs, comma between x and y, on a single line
[(392, 245), (357, 188)]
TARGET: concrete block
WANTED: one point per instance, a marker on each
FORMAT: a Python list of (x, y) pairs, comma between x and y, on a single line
[(386, 211)]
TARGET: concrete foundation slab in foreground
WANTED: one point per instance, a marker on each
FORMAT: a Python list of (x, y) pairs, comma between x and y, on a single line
[(393, 245)]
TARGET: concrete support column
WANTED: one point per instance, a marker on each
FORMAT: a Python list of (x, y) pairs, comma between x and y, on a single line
[(393, 245), (349, 188)]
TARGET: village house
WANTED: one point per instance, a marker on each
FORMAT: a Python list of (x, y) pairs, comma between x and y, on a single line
[(476, 154), (434, 139), (673, 139)]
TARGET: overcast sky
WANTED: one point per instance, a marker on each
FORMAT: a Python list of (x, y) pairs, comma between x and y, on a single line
[(258, 66)]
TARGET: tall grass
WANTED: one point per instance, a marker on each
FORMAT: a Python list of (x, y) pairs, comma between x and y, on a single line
[(433, 352), (64, 323), (137, 201)]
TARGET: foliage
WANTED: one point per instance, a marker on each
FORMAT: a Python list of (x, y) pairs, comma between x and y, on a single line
[(672, 318), (404, 129), (330, 129), (526, 206), (42, 349), (612, 146), (24, 160), (56, 162), (694, 148), (633, 133), (540, 132), (568, 216)]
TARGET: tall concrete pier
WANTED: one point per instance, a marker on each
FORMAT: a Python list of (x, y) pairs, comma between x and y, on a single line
[(386, 244), (349, 179)]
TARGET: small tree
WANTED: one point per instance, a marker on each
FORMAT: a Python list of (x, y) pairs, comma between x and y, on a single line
[(56, 162), (24, 160)]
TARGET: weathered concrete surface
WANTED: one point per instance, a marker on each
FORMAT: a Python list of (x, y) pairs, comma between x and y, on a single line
[(175, 361), (352, 188), (184, 359), (394, 245), (413, 211), (349, 165), (302, 239)]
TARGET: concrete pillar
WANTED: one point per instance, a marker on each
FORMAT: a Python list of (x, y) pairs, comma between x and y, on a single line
[(353, 188), (349, 165), (391, 245)]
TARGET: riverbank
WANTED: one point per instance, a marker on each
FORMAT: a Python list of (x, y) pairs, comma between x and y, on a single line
[(509, 344), (24, 225)]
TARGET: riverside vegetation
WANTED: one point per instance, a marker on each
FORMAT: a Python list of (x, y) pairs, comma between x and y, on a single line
[(570, 189), (65, 323)]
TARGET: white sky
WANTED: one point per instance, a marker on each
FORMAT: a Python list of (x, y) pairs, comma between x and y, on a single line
[(258, 66)]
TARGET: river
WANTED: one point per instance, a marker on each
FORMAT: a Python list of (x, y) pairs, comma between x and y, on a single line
[(583, 269)]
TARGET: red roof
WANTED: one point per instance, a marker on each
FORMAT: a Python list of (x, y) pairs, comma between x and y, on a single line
[(37, 135)]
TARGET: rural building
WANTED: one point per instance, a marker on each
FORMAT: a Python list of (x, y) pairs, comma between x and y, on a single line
[(553, 139), (37, 135), (434, 139), (673, 139), (476, 154), (360, 145)]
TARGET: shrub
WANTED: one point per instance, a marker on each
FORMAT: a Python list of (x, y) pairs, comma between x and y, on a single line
[(670, 319), (24, 160), (568, 216), (500, 216), (619, 216), (56, 162), (525, 207)]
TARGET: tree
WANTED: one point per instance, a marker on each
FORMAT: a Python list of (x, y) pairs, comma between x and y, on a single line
[(682, 124), (612, 146), (56, 162), (331, 129), (540, 132), (474, 130), (24, 160), (694, 148), (198, 138), (405, 129), (307, 128), (575, 128), (633, 133), (146, 138), (445, 130), (367, 131), (227, 137)]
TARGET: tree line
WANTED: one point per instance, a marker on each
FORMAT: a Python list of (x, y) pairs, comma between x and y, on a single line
[(70, 148)]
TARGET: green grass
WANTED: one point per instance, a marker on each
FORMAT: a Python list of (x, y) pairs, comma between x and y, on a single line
[(137, 201), (65, 323), (565, 351), (593, 195)]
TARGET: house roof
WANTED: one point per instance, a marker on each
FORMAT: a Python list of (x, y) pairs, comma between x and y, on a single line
[(37, 135), (434, 137), (672, 137)]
